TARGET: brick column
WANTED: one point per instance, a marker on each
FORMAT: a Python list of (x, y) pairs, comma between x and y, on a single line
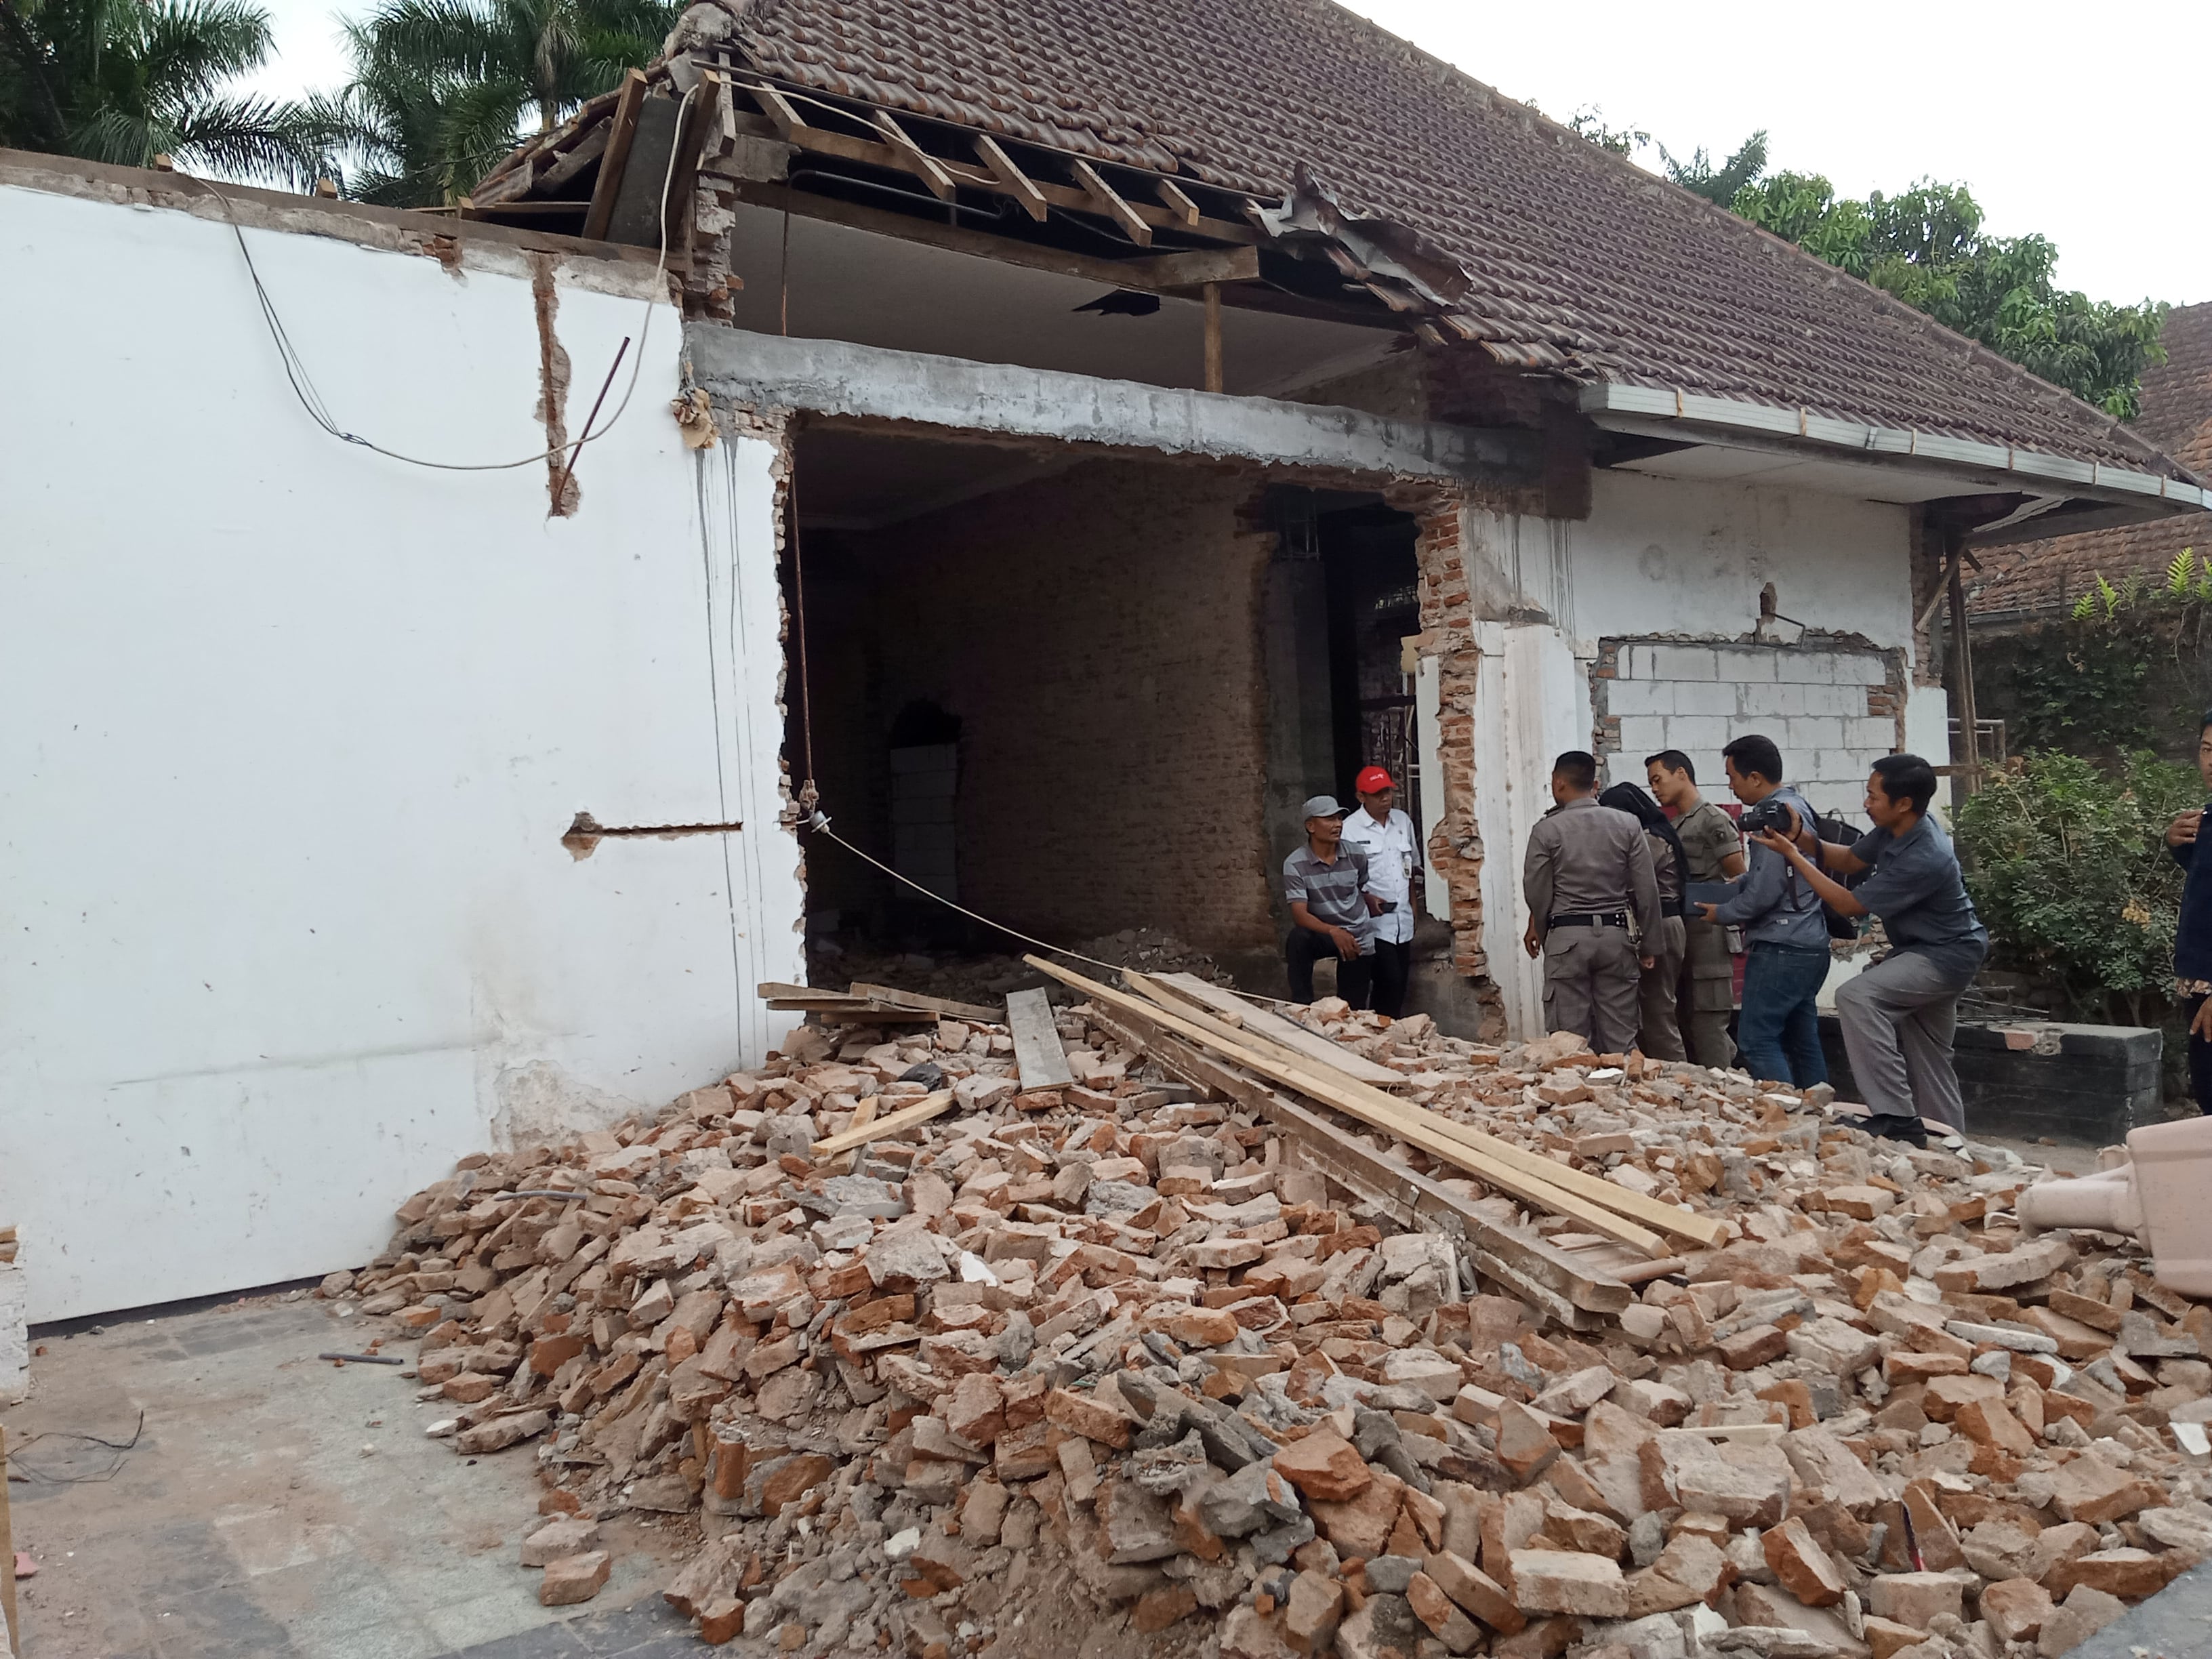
[(1454, 841)]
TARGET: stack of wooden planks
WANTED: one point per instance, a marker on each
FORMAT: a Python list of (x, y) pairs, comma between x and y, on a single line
[(1632, 1237), (864, 1004)]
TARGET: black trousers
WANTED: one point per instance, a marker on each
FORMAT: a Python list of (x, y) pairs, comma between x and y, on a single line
[(1394, 966), (2200, 1059), (1307, 947)]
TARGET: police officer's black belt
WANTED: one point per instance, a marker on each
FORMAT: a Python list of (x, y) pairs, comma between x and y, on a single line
[(1607, 919)]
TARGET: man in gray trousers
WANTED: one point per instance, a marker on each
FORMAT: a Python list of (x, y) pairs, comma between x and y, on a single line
[(1898, 1015)]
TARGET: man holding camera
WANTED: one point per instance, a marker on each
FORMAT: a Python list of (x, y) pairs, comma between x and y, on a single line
[(1897, 1016), (1778, 1034)]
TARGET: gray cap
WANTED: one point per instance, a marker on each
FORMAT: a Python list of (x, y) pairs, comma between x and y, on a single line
[(1323, 806)]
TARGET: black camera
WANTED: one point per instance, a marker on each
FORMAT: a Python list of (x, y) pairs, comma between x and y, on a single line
[(1772, 813)]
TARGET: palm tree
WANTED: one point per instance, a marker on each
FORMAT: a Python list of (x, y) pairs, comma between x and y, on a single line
[(126, 81), (443, 89)]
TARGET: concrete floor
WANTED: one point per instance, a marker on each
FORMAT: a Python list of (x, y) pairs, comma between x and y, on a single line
[(279, 1507)]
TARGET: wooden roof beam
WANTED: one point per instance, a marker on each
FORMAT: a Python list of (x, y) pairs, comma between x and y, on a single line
[(915, 160), (622, 128), (1102, 198), (1019, 185), (1178, 203)]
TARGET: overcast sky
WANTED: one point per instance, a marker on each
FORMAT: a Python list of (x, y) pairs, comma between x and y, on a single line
[(2086, 136)]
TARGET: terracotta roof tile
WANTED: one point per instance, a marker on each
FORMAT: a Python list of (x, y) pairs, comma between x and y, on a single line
[(1571, 257), (2176, 415)]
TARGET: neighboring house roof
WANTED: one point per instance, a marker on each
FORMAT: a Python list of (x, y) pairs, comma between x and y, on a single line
[(2177, 417), (1574, 261)]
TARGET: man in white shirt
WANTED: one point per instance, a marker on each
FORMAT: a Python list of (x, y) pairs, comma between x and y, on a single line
[(1393, 850)]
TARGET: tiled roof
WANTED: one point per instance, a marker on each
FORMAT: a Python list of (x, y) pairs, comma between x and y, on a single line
[(2177, 415), (1574, 259)]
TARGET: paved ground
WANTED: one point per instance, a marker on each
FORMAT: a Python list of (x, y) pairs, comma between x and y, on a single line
[(277, 1507)]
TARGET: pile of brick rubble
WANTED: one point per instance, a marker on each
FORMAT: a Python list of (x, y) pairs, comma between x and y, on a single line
[(1118, 1345)]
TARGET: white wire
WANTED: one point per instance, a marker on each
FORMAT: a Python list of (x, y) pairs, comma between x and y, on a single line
[(303, 385)]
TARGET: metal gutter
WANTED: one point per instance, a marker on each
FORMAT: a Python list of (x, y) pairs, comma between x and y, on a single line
[(1719, 421)]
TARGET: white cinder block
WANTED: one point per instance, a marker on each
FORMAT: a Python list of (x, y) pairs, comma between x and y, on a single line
[(1683, 662), (1716, 698), (1809, 732), (1797, 667), (1635, 662), (1861, 668), (1694, 733), (1840, 700), (1639, 696), (1780, 701), (1870, 734), (1754, 664), (1642, 734)]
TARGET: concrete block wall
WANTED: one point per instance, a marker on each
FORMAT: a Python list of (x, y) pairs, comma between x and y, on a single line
[(1831, 710)]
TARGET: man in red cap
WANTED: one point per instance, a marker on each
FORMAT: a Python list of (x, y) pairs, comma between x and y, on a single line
[(1393, 849)]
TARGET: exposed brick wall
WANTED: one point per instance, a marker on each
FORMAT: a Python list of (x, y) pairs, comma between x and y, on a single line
[(1455, 845), (1097, 632)]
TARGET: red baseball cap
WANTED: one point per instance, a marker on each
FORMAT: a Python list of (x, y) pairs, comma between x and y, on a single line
[(1373, 780)]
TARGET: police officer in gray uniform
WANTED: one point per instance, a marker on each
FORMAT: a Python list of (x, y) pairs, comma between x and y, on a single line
[(1587, 870)]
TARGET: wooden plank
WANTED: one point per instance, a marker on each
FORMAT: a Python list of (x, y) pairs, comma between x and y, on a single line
[(1266, 1022), (1102, 198), (7, 1557), (1195, 268), (1325, 1081), (863, 1114), (1702, 1231), (1409, 1197), (848, 147), (1371, 1107), (970, 1011), (1215, 380), (958, 239), (575, 161), (883, 1129), (913, 158), (1018, 184), (622, 127), (1180, 205), (1036, 1041)]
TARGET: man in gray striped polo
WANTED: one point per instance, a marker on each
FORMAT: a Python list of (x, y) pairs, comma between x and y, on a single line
[(1325, 882)]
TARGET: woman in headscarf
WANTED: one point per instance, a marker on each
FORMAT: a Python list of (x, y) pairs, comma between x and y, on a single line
[(1659, 1034)]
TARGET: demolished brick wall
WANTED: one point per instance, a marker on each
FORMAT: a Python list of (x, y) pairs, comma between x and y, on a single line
[(1118, 1351), (1096, 635)]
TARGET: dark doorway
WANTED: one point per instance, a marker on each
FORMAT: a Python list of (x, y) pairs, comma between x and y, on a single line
[(1374, 603)]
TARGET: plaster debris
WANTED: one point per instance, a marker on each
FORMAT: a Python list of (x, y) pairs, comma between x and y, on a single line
[(1181, 1344)]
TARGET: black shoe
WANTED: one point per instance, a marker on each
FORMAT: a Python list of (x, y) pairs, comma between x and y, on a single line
[(1906, 1129)]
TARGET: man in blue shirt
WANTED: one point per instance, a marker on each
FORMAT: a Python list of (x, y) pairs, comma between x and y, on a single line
[(1778, 1034), (2192, 934), (1898, 1015)]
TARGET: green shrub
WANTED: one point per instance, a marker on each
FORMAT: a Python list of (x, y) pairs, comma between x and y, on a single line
[(2067, 865)]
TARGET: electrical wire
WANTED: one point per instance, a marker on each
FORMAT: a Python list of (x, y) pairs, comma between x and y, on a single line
[(311, 399), (820, 825)]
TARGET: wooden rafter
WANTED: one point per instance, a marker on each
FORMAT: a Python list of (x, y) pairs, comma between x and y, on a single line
[(1103, 198), (1019, 185), (1177, 203), (916, 160), (622, 128), (1159, 273)]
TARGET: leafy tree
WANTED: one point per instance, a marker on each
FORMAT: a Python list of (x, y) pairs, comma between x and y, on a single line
[(2068, 868), (1718, 185), (126, 81), (1927, 246), (443, 89), (1589, 122)]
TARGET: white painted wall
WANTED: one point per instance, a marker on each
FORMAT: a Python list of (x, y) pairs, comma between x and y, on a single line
[(1685, 558), (293, 731)]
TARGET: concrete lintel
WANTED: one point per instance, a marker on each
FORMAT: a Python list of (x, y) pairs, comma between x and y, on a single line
[(836, 377)]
